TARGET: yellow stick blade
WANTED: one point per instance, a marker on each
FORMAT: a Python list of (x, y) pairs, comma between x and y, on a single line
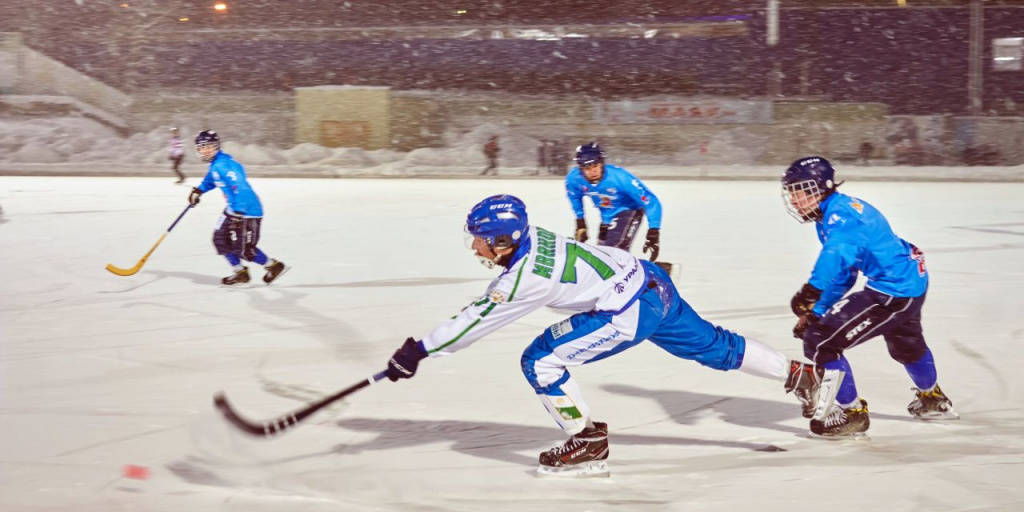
[(138, 266), (124, 271)]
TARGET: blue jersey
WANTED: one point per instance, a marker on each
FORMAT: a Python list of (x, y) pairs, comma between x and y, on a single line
[(856, 237), (229, 176), (617, 191)]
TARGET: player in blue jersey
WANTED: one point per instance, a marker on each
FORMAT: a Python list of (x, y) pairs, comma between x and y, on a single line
[(618, 300), (238, 230), (856, 238), (622, 199)]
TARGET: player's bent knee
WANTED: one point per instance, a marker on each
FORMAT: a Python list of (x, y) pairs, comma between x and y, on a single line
[(908, 355), (222, 245), (249, 253), (542, 376)]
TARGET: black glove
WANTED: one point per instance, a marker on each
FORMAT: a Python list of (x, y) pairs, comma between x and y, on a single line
[(803, 324), (602, 232), (804, 300), (193, 197), (653, 243), (581, 230), (403, 364)]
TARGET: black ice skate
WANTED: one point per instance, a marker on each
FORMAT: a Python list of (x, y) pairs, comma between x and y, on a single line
[(932, 405), (843, 423), (274, 270), (239, 277), (803, 381), (583, 455)]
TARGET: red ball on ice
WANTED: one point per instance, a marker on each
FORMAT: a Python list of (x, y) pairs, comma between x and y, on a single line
[(136, 472)]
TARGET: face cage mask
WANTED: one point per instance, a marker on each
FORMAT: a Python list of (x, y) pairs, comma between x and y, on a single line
[(809, 202), (215, 145)]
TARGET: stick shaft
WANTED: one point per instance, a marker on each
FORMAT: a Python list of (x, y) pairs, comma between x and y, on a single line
[(268, 429)]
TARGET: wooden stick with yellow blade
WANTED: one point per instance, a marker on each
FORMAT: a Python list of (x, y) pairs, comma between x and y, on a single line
[(138, 266)]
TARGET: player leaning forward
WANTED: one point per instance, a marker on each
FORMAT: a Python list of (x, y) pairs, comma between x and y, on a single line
[(621, 301), (238, 230), (856, 237)]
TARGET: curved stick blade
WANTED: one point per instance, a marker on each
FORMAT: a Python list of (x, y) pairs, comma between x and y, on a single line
[(124, 271)]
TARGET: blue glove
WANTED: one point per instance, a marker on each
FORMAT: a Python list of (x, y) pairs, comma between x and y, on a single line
[(403, 364)]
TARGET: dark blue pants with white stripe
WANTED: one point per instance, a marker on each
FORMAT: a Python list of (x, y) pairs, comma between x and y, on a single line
[(621, 231), (864, 315)]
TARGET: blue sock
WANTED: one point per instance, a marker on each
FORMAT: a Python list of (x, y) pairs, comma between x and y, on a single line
[(922, 371), (848, 389), (233, 259), (260, 258)]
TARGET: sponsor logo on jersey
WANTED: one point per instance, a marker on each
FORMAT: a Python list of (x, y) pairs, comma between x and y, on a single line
[(621, 286), (606, 201), (857, 206), (593, 345), (857, 330), (497, 296), (835, 219), (561, 329)]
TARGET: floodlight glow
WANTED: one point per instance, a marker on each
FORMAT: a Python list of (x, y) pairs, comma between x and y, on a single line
[(220, 7)]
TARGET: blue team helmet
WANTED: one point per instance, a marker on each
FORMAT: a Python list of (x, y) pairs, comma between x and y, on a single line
[(806, 183), (589, 154), (500, 220)]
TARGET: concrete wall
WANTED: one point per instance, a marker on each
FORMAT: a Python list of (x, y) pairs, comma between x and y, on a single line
[(266, 119), (39, 75), (799, 128)]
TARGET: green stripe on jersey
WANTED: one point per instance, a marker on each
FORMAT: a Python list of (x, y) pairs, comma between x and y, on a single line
[(464, 331)]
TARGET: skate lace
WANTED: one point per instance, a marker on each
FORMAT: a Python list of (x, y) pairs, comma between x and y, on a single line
[(835, 418), (570, 445), (926, 399)]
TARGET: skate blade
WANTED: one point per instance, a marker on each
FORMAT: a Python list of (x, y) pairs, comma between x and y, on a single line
[(939, 416), (856, 436), (238, 286), (283, 272), (592, 469)]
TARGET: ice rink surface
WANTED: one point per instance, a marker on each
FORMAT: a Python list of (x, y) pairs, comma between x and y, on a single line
[(99, 371)]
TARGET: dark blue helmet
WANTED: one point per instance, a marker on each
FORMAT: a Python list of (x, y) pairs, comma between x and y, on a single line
[(207, 138), (588, 154), (807, 182), (500, 220)]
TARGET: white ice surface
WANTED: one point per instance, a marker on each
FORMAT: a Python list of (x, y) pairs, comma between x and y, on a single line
[(99, 371)]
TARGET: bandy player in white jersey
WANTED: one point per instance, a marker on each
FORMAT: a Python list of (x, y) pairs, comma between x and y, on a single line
[(621, 301)]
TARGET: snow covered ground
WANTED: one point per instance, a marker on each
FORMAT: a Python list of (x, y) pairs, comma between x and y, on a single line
[(76, 146), (99, 371)]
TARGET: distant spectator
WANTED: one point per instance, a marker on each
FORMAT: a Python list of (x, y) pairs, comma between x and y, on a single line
[(491, 151), (553, 156), (175, 153), (542, 156), (866, 149), (563, 157)]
